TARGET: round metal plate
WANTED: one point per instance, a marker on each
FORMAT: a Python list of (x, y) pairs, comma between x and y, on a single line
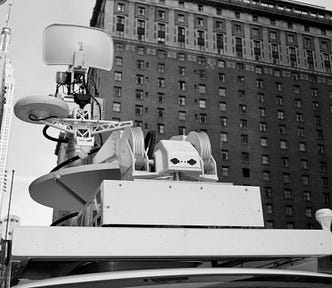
[(68, 188), (40, 107)]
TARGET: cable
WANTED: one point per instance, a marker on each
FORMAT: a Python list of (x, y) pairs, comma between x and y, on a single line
[(72, 159), (33, 117), (64, 218), (150, 141), (59, 140)]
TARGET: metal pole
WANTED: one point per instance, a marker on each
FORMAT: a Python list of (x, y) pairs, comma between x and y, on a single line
[(6, 245)]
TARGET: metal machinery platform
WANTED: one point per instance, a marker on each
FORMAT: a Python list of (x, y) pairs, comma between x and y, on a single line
[(135, 206)]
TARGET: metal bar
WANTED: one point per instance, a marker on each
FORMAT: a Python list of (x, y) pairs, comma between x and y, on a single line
[(167, 243)]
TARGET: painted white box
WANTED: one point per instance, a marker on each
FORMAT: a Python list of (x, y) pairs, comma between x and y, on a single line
[(153, 202)]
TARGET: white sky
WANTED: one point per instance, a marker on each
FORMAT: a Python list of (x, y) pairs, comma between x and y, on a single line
[(31, 155)]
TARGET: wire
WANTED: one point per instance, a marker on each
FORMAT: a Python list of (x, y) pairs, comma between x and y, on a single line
[(72, 159), (33, 117), (64, 218), (47, 136)]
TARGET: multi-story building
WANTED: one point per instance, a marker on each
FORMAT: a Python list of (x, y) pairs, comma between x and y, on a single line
[(254, 74), (6, 105)]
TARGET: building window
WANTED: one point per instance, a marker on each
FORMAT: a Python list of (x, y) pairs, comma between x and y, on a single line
[(201, 88), (139, 79), (116, 107), (261, 112), (296, 89), (140, 50), (238, 45), (221, 63), (268, 192), (244, 139), (118, 61), (224, 171), (266, 175), (321, 148), (202, 118), (319, 134), (304, 164), (161, 82), (222, 91), (141, 30), (300, 131), (282, 129), (302, 147), (200, 39), (161, 128), (286, 178), (224, 155), (295, 75), (138, 123), (245, 172), (299, 117), (201, 74), (307, 196), (280, 115), (141, 10), (308, 212), (314, 92), (161, 97), (182, 85), (325, 182), (326, 198), (223, 137), (160, 112), (221, 77), (265, 159), (140, 64), (242, 108), (117, 76), (290, 225), (245, 156), (298, 103), (240, 80), (260, 98), (269, 224), (273, 35), (322, 166), (317, 120), (259, 83), (284, 162), (263, 141), (138, 109), (288, 194), (289, 210), (305, 179), (182, 130), (181, 71), (182, 115), (117, 91), (139, 94), (283, 144), (280, 100), (243, 124), (278, 86), (121, 7), (222, 106), (182, 100), (262, 126), (161, 67), (202, 103)]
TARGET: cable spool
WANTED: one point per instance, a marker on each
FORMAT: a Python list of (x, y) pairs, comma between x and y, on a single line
[(135, 138), (202, 144)]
